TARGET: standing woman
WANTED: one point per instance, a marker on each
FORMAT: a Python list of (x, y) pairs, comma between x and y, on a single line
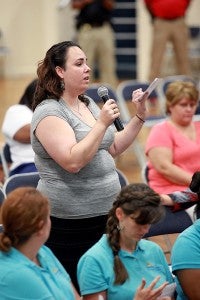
[(75, 145)]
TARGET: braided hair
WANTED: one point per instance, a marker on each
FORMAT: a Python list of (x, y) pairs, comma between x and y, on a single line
[(139, 198)]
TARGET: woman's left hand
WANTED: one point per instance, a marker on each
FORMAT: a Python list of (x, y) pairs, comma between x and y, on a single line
[(139, 99)]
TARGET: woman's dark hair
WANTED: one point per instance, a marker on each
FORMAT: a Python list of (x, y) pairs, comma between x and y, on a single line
[(195, 188), (28, 95), (195, 183), (49, 83), (134, 198)]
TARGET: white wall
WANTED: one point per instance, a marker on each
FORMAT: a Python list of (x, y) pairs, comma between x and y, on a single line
[(30, 27)]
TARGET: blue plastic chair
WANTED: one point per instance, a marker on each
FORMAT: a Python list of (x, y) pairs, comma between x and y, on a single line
[(2, 196), (20, 180), (122, 178), (165, 82), (124, 93), (5, 160), (92, 92)]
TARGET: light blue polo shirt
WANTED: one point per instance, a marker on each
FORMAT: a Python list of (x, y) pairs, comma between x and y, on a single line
[(22, 279), (186, 253), (95, 269)]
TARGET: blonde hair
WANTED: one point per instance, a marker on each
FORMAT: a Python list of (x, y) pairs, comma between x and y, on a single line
[(178, 90)]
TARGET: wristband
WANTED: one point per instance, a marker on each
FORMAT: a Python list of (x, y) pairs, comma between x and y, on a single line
[(140, 118)]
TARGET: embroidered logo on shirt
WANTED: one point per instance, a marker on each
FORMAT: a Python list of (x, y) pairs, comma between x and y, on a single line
[(149, 264), (55, 270)]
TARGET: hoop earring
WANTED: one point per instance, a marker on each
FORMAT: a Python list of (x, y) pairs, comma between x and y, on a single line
[(62, 85), (2, 228), (120, 227)]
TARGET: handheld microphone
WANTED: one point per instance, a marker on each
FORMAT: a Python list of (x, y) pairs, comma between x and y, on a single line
[(103, 94)]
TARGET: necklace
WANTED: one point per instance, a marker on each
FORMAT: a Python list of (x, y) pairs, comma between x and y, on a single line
[(74, 109), (78, 108)]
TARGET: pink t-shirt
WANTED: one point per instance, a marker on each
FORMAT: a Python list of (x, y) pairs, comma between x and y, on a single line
[(185, 154)]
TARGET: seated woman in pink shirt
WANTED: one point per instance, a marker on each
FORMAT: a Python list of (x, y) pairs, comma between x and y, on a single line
[(173, 146)]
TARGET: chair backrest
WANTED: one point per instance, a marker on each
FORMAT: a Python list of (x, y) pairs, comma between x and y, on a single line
[(5, 160), (2, 195), (168, 79), (144, 174), (21, 180), (92, 92), (122, 178), (124, 92)]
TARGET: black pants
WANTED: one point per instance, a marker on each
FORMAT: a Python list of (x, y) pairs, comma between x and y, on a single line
[(69, 239)]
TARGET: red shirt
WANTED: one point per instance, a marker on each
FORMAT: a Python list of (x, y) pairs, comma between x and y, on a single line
[(167, 9)]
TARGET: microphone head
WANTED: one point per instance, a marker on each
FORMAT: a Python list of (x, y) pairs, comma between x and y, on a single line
[(102, 91)]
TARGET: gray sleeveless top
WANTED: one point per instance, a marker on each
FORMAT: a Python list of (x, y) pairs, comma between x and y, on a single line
[(92, 190)]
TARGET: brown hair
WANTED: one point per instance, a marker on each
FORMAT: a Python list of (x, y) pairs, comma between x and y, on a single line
[(49, 84), (180, 89), (133, 198), (21, 213)]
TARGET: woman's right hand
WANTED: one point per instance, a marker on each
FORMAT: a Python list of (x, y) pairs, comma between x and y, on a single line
[(149, 292), (109, 112)]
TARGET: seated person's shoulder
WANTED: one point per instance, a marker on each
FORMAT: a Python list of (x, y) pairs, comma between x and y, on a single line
[(15, 110), (185, 251), (164, 125), (189, 237), (16, 282)]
